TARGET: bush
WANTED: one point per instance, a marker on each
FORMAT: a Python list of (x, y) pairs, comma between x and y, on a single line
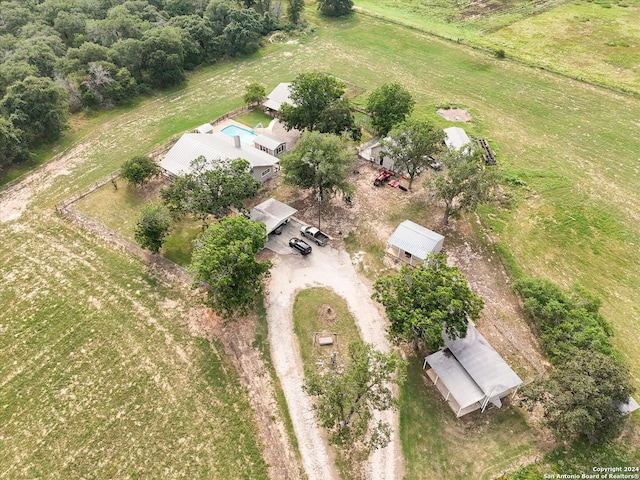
[(139, 170)]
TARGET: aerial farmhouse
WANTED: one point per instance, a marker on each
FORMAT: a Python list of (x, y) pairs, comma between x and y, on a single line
[(217, 147)]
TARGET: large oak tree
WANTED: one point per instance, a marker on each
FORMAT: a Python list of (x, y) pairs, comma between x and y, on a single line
[(409, 145), (318, 105), (224, 257), (321, 162), (347, 396), (464, 183), (389, 105), (211, 189), (423, 302), (581, 397)]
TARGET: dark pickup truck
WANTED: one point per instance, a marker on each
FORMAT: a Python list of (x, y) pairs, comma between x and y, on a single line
[(312, 233)]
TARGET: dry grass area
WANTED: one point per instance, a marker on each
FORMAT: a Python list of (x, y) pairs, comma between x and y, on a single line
[(102, 377)]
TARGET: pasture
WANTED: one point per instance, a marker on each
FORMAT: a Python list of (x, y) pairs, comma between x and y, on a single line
[(99, 364), (596, 40)]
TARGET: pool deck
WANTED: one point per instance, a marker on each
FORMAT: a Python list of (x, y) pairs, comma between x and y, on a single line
[(274, 128)]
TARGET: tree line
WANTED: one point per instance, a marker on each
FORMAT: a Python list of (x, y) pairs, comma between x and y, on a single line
[(61, 56)]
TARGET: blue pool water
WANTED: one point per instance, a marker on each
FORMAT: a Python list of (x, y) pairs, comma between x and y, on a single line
[(246, 136)]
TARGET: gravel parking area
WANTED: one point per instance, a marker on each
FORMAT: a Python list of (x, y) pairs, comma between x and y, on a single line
[(331, 268)]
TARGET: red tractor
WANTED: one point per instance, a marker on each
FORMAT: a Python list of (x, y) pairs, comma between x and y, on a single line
[(383, 177)]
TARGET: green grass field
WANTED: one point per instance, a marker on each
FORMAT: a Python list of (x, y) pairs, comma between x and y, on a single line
[(594, 40), (307, 320), (100, 375), (478, 445)]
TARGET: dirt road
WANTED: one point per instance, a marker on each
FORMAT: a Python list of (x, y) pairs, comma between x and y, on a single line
[(331, 268)]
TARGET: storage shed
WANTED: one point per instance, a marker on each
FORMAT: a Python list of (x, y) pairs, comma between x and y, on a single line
[(456, 138), (204, 128), (413, 243), (272, 213), (470, 374)]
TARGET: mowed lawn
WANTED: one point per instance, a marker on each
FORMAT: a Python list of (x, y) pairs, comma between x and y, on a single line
[(100, 375)]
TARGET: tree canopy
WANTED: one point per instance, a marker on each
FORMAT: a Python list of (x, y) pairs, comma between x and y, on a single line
[(565, 320), (224, 257), (423, 302), (581, 397), (321, 162), (389, 105), (463, 184), (255, 94), (211, 189), (347, 396), (317, 105), (409, 145), (139, 169), (335, 8), (38, 107), (103, 53), (152, 226)]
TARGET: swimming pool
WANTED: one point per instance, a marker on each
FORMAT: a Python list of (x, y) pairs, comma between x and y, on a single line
[(246, 136)]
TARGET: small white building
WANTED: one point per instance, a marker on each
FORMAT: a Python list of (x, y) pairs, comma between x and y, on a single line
[(413, 243), (268, 143), (278, 96), (204, 128)]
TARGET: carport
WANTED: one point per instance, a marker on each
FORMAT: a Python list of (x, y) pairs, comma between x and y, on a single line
[(272, 213)]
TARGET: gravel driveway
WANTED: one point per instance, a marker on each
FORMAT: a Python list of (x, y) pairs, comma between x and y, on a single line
[(332, 268)]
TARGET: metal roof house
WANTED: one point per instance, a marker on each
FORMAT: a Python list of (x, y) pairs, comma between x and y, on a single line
[(456, 138), (470, 374), (270, 144), (277, 97), (272, 213), (413, 243), (217, 147)]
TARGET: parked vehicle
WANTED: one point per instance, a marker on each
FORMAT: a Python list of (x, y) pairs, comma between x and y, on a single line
[(300, 245), (434, 164), (383, 177), (312, 233)]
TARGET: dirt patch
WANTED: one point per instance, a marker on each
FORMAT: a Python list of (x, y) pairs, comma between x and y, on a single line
[(326, 314), (455, 114), (15, 199)]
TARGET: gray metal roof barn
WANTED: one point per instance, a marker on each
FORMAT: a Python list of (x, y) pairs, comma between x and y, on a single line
[(413, 243), (470, 374), (277, 97)]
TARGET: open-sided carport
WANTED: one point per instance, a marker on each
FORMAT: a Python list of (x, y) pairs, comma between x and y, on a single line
[(272, 213)]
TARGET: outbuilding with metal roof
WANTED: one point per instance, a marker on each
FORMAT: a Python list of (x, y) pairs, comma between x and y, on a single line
[(413, 243), (470, 374)]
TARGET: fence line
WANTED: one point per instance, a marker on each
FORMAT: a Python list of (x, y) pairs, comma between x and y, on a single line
[(231, 114), (155, 262)]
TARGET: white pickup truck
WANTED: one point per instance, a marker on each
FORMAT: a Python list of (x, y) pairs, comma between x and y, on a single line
[(315, 235)]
